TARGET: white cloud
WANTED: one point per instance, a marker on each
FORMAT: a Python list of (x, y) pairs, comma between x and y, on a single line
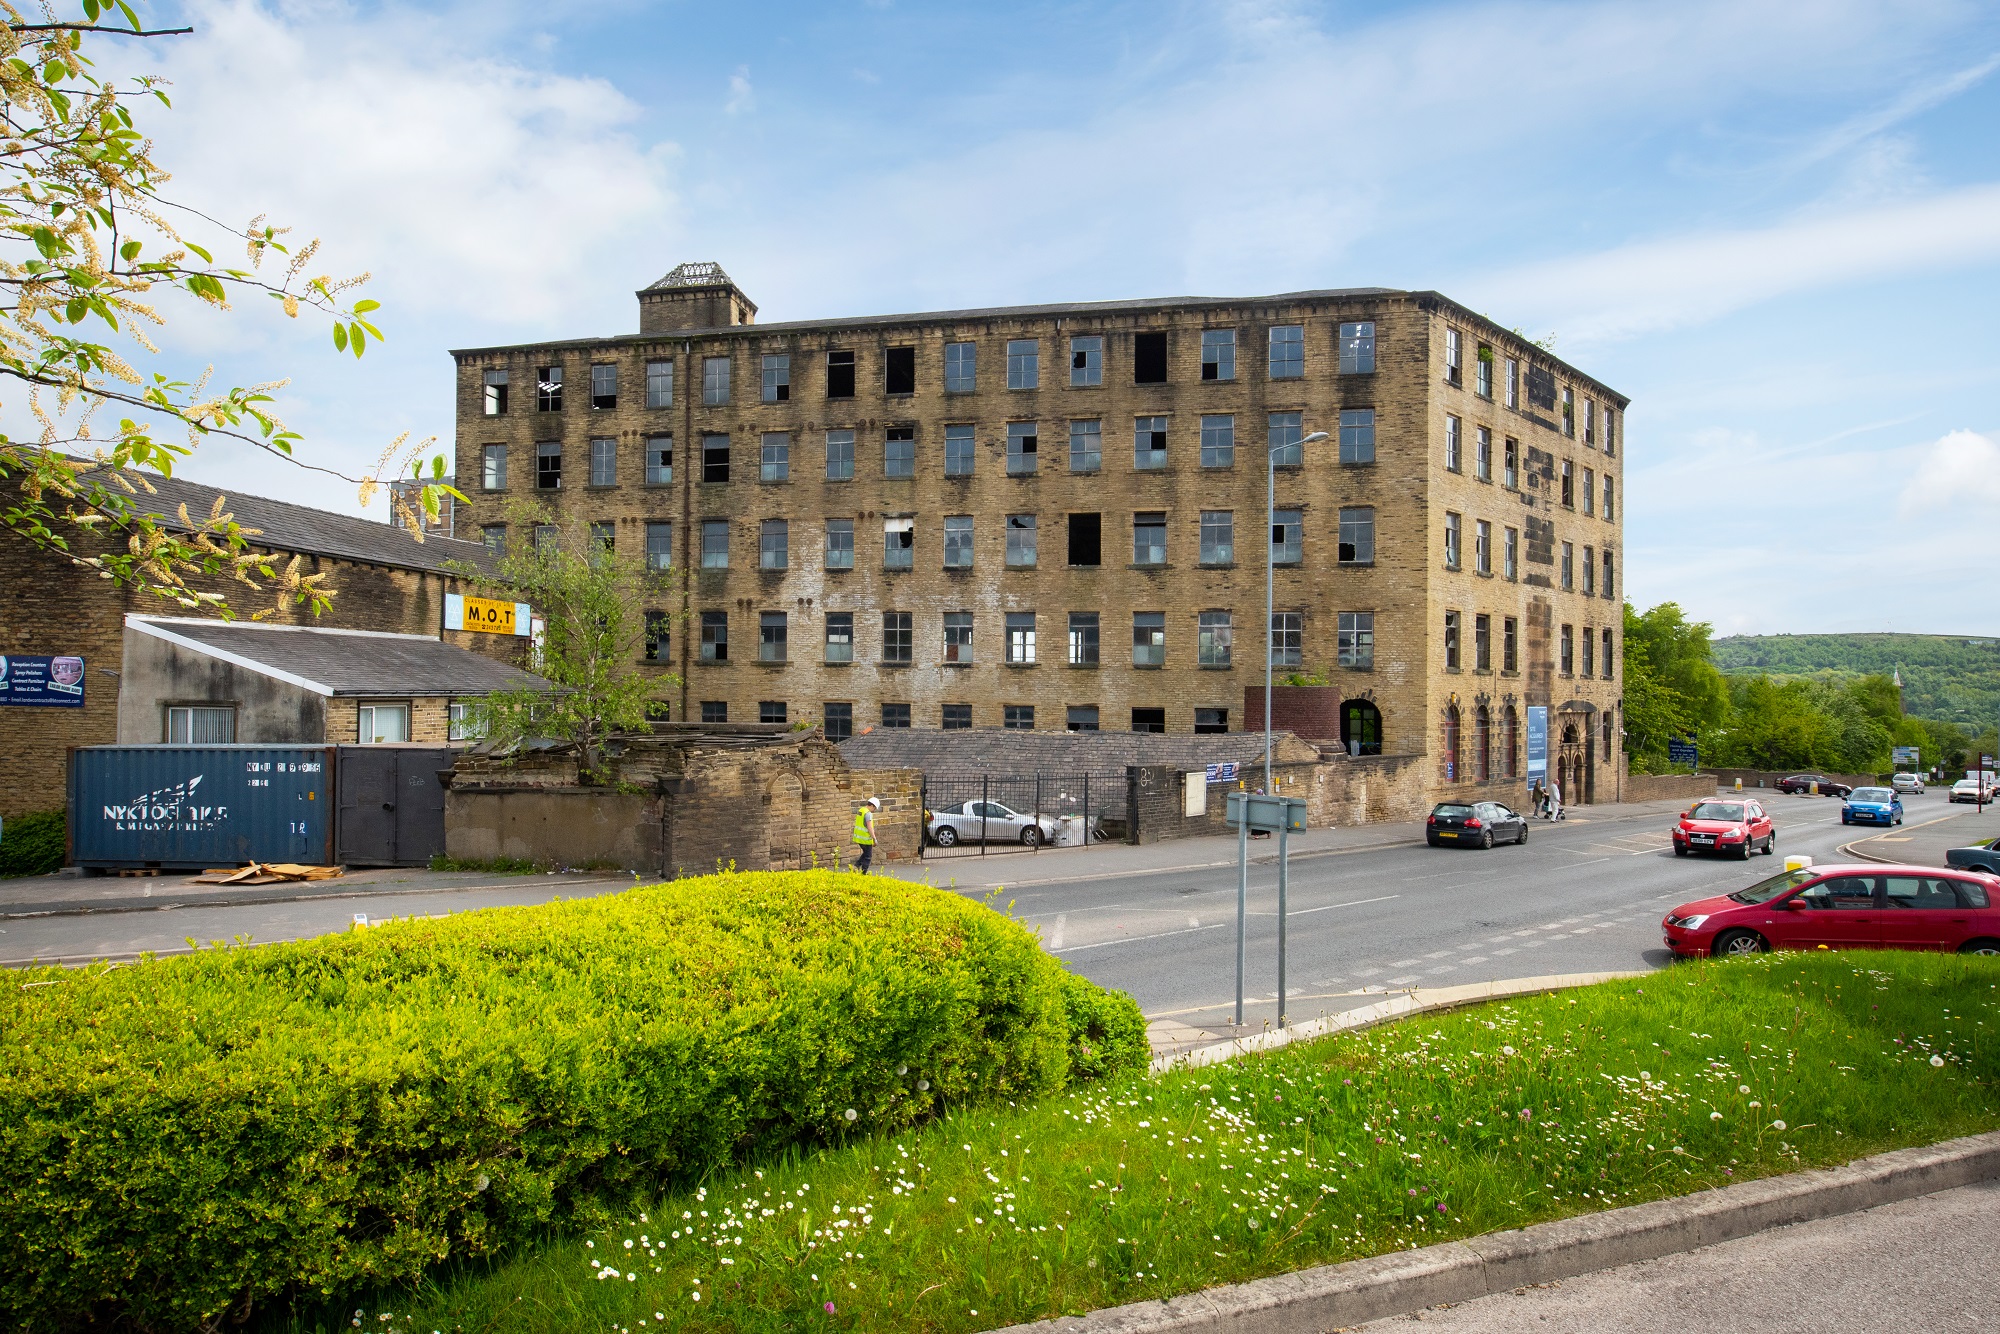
[(742, 97), (1961, 468)]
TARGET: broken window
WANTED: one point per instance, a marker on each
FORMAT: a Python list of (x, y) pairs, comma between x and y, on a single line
[(1357, 348), (1604, 663), (898, 643), (840, 375), (1024, 364), (1357, 640), (1288, 635), (1357, 536), (959, 445), (1510, 644), (1451, 641), (1453, 371), (494, 536), (837, 720), (1218, 537), (961, 367), (957, 718), (1149, 538), (659, 460), (715, 544), (1568, 485), (714, 642), (1482, 643), (496, 393), (1288, 537), (1482, 454), (1083, 640), (958, 541), (603, 386), (1021, 533), (1149, 641), (1283, 433), (1568, 650), (1218, 440), (774, 545), (840, 636), (1482, 371), (659, 626), (1510, 555), (1149, 720), (603, 539), (1451, 536), (840, 544), (546, 536), (1086, 540), (1357, 435), (659, 384), (1541, 388), (1288, 351), (773, 642), (771, 710), (1451, 433), (715, 458), (493, 467), (1482, 547), (1086, 361), (1149, 443), (1510, 476), (1149, 358), (958, 637), (1021, 638), (899, 542), (896, 715), (548, 388), (899, 451), (1568, 566), (1018, 716), (777, 377), (1218, 354), (840, 456), (1086, 446), (775, 461), (659, 545), (714, 381), (1081, 718), (1214, 637), (1023, 439), (899, 370), (548, 466), (1569, 412)]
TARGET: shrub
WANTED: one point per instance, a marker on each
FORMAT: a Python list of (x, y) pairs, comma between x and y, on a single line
[(201, 1135), (34, 844)]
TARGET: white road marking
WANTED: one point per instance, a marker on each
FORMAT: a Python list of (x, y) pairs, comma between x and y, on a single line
[(1407, 977), (1056, 937), (1476, 958), (1437, 954), (1133, 940), (1501, 954), (1329, 907), (1367, 972)]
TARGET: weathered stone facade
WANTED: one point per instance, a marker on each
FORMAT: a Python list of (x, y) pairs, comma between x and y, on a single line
[(879, 426)]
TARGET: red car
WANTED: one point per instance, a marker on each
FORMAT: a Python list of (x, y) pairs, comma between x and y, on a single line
[(1862, 906), (1737, 826)]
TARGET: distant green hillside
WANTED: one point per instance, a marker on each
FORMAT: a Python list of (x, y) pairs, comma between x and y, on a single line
[(1953, 678)]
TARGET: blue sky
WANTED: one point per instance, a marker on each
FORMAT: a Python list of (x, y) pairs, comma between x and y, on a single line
[(1775, 226)]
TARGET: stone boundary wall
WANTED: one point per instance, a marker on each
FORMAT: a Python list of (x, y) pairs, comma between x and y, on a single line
[(1339, 791), (1768, 778), (1658, 787)]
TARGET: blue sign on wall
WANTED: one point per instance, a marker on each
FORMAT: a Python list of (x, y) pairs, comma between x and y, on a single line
[(1538, 743), (46, 681), (1683, 752)]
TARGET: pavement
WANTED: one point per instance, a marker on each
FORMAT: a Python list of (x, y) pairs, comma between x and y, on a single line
[(1924, 839)]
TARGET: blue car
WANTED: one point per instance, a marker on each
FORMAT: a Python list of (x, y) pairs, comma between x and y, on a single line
[(1872, 805)]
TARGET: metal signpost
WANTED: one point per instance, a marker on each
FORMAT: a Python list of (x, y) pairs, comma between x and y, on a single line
[(1272, 815)]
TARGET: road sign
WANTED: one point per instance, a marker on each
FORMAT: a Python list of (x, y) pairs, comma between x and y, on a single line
[(1904, 757), (1269, 814), (1684, 752), (486, 615), (1538, 743)]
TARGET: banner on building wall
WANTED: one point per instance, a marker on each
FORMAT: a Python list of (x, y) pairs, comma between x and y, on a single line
[(485, 615), (1538, 743), (44, 682)]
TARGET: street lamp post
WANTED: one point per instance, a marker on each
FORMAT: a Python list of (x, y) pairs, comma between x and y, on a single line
[(1270, 570)]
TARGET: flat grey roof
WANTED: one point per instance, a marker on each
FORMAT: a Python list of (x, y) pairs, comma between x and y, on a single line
[(342, 662)]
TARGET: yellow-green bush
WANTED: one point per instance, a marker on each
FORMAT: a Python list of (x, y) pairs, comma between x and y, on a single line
[(211, 1133)]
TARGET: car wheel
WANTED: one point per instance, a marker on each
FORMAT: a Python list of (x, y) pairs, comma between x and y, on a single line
[(1770, 845), (1433, 842), (945, 836), (1735, 944), (1486, 839), (1744, 855), (1680, 851), (1980, 947), (1524, 834), (1031, 837)]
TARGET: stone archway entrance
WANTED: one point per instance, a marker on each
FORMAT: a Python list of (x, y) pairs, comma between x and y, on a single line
[(1576, 767)]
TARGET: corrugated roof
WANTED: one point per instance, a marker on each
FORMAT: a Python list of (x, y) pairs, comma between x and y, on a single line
[(343, 662), (1007, 751), (283, 526)]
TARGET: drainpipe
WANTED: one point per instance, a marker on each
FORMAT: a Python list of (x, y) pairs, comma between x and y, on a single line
[(684, 449)]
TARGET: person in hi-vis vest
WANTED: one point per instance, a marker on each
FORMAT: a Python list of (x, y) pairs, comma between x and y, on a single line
[(864, 833)]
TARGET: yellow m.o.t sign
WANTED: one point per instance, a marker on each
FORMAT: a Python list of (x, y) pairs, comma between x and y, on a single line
[(486, 615)]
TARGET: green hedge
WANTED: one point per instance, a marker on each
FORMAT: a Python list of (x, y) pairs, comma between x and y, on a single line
[(216, 1133), (34, 844)]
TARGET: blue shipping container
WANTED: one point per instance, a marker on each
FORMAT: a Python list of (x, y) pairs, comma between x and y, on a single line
[(200, 806)]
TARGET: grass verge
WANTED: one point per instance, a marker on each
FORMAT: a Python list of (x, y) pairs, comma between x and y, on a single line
[(1435, 1128)]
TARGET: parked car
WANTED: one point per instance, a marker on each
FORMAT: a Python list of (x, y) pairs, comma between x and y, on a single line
[(1970, 789), (1479, 822), (1859, 906), (1872, 805), (1908, 783), (1804, 783), (1734, 827), (1981, 856), (974, 820)]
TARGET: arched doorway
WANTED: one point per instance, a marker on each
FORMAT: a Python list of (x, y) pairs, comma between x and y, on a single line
[(1573, 763), (1361, 727)]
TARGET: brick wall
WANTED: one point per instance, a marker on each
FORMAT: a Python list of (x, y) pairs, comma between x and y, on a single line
[(1658, 787), (1312, 712)]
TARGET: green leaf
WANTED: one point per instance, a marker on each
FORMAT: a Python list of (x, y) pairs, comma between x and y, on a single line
[(205, 256), (356, 335), (363, 307), (76, 310), (130, 250), (339, 336)]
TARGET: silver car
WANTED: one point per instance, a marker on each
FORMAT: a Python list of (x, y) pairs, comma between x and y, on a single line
[(972, 821), (1908, 782)]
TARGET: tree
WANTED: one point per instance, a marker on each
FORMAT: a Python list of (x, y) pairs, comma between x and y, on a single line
[(1655, 713), (91, 248), (1678, 651), (593, 602)]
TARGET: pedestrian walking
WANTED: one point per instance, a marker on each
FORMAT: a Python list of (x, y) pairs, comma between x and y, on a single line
[(1555, 800), (864, 833)]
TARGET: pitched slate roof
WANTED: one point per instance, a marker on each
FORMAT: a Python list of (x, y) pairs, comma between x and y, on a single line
[(341, 662), (283, 526), (1007, 751)]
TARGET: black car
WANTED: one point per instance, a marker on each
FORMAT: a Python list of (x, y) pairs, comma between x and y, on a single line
[(1981, 856), (1483, 823), (1828, 787)]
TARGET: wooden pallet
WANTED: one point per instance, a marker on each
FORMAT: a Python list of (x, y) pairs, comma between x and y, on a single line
[(129, 871)]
